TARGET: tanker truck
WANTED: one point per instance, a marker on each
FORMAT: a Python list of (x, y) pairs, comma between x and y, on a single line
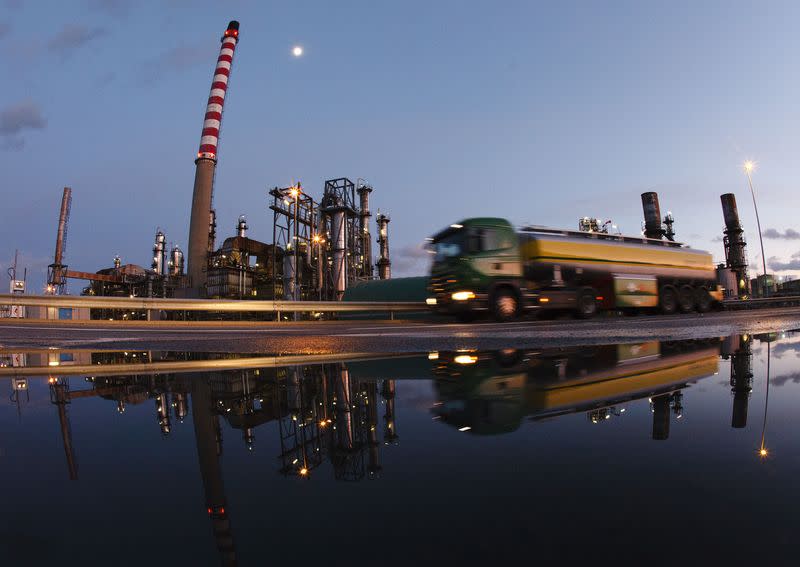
[(485, 265)]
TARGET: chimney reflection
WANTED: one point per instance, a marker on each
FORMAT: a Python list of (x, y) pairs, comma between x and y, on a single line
[(208, 438), (740, 352)]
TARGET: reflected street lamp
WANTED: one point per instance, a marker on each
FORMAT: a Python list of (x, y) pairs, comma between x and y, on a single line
[(749, 166)]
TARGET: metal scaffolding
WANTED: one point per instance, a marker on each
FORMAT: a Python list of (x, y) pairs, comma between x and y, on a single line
[(294, 226)]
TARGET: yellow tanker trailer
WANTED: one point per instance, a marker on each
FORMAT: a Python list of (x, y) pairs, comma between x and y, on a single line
[(484, 264)]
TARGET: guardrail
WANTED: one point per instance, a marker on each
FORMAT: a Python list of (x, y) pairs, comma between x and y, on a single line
[(762, 302), (183, 366), (217, 305)]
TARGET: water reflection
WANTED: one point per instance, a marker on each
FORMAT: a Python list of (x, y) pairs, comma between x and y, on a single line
[(490, 393), (342, 413)]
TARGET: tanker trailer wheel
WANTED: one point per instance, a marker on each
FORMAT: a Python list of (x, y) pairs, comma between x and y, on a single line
[(703, 300), (686, 298), (668, 300), (587, 304), (504, 304)]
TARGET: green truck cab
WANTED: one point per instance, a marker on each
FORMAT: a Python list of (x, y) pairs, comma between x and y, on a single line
[(477, 268)]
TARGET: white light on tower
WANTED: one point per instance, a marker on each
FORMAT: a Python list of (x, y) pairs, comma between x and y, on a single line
[(297, 50)]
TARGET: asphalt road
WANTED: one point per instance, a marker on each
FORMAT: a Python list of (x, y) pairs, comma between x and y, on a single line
[(386, 336)]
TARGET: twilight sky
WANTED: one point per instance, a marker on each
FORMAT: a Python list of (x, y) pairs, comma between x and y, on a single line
[(540, 112)]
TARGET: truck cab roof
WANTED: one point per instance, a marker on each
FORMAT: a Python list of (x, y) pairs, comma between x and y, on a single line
[(491, 222)]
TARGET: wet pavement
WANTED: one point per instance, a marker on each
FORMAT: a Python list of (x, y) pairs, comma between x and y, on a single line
[(387, 336), (650, 452)]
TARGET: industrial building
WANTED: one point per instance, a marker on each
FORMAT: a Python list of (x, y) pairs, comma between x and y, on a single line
[(320, 246)]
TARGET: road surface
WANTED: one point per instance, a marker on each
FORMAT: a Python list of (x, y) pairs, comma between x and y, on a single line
[(384, 336)]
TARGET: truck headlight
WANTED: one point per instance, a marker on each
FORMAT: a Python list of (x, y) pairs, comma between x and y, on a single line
[(462, 295)]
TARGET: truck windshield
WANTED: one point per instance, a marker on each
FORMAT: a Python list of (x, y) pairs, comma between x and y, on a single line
[(448, 247)]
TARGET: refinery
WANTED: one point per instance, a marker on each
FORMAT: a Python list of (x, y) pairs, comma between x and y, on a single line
[(321, 244), (322, 250)]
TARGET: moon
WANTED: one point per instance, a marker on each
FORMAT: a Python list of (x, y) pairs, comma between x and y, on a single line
[(297, 50)]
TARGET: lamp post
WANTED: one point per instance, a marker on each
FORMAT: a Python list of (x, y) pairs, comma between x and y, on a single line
[(295, 193), (748, 168)]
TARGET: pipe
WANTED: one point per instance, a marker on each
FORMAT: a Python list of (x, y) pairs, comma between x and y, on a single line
[(652, 215), (206, 162)]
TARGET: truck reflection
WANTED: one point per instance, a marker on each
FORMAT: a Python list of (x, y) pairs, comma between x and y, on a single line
[(491, 393)]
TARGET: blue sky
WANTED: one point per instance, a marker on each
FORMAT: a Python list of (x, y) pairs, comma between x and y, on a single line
[(540, 112)]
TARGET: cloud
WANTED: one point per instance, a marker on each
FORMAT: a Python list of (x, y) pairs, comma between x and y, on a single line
[(775, 234), (774, 263), (785, 379), (179, 59), (72, 37), (5, 29), (17, 118)]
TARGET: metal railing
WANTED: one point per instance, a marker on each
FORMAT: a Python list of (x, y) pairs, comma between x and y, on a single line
[(216, 305)]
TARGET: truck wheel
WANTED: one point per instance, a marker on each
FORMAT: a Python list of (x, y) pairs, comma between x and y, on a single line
[(587, 304), (686, 298), (505, 304), (668, 300), (703, 300)]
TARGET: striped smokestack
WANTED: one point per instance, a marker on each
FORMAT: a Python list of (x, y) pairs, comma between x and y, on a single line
[(206, 162)]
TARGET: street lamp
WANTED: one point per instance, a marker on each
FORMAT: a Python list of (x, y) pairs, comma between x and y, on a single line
[(295, 193), (749, 166)]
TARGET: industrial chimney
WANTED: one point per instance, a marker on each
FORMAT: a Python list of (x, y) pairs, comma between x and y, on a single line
[(735, 245), (384, 263), (652, 215), (57, 271), (206, 163)]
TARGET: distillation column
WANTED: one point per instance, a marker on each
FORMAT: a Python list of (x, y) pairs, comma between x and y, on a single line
[(160, 254), (206, 162), (384, 263), (339, 246), (366, 240)]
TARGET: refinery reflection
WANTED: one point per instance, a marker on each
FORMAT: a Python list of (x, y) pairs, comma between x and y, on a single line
[(341, 414)]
